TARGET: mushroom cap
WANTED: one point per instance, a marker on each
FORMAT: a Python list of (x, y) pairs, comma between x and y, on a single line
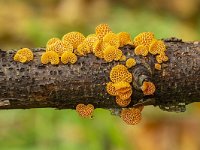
[(125, 95), (52, 41), (85, 111), (122, 103), (131, 116), (130, 62), (124, 38), (157, 47), (141, 50), (20, 58), (68, 57), (60, 47), (121, 85), (27, 53), (83, 49), (99, 47), (111, 89), (90, 39), (120, 73), (50, 57), (110, 53), (143, 38), (75, 38), (157, 66), (101, 30), (148, 88), (123, 58), (112, 39)]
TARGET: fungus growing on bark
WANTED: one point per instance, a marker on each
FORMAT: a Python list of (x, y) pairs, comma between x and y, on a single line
[(112, 53), (121, 85), (52, 41), (131, 116), (130, 62), (148, 88), (124, 38), (50, 57), (141, 50), (120, 73), (90, 39), (125, 95), (112, 39), (122, 103), (60, 47), (75, 38), (157, 47), (20, 58), (23, 55), (111, 89), (109, 53), (99, 47), (85, 111), (68, 57), (83, 49), (161, 57), (157, 66), (118, 55), (101, 30), (143, 38), (123, 58)]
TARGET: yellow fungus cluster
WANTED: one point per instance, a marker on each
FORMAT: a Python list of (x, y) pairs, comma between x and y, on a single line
[(61, 48), (50, 57), (105, 44), (23, 55), (145, 43), (85, 111), (161, 58), (131, 116), (130, 62), (58, 46), (148, 88), (120, 85)]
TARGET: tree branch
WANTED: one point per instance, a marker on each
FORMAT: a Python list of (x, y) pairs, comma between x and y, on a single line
[(34, 85)]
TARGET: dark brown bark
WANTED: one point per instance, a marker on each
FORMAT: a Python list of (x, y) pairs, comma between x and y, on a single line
[(34, 85)]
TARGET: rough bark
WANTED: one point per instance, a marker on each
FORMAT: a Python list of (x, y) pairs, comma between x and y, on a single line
[(34, 85)]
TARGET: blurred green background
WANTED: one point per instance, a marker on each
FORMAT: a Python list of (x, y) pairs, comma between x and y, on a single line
[(30, 23)]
